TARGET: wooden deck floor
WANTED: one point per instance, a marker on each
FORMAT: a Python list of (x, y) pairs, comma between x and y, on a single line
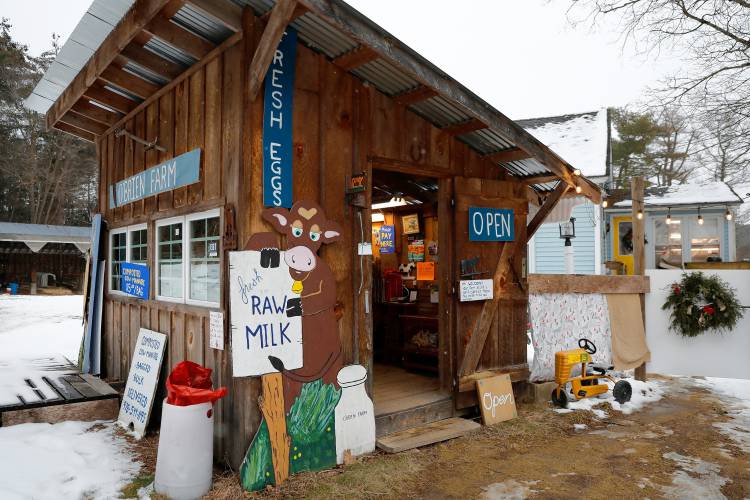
[(395, 389)]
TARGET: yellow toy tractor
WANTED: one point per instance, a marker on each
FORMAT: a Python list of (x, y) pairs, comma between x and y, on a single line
[(587, 384)]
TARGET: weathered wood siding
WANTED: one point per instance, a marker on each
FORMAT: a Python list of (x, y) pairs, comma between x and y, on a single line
[(341, 126)]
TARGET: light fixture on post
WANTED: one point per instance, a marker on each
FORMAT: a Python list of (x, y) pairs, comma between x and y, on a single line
[(568, 232), (639, 214), (605, 203), (578, 188), (576, 172), (700, 217), (669, 216), (728, 215)]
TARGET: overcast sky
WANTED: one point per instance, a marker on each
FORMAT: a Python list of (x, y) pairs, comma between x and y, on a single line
[(522, 56)]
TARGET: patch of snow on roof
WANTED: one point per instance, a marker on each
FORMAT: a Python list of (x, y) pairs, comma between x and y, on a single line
[(579, 139), (714, 192)]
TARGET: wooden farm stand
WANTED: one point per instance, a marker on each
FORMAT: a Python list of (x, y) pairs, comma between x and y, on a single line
[(363, 103)]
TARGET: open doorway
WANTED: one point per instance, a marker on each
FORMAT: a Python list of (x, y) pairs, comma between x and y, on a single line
[(406, 305)]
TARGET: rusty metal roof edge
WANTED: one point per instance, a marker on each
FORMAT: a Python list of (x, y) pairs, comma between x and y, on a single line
[(365, 31)]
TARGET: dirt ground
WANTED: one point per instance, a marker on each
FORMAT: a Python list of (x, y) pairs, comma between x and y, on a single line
[(677, 447)]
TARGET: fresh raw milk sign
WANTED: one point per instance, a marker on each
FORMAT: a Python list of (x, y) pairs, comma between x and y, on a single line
[(138, 398), (496, 399), (179, 171), (470, 290), (277, 124), (263, 320), (491, 224), (135, 279)]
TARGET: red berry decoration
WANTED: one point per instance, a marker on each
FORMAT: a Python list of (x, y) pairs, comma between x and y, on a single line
[(676, 289), (709, 310)]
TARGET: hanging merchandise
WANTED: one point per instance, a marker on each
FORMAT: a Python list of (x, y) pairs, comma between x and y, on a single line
[(699, 303)]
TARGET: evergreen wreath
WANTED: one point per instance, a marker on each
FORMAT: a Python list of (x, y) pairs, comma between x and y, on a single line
[(699, 303)]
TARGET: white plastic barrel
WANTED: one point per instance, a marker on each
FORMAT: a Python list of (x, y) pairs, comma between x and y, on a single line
[(184, 463)]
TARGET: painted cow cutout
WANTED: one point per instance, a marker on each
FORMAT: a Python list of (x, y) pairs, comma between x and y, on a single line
[(306, 229)]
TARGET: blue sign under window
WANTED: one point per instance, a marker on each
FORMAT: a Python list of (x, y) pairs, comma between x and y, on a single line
[(491, 224), (135, 279), (277, 124)]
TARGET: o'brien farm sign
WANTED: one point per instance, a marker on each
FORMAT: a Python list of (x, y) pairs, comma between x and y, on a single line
[(177, 172)]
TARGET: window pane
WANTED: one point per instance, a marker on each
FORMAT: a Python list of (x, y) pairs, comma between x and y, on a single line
[(138, 246), (170, 261), (198, 228), (625, 232), (704, 240), (668, 244), (117, 256), (213, 226), (205, 259)]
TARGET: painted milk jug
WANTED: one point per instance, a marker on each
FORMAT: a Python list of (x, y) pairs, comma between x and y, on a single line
[(355, 415)]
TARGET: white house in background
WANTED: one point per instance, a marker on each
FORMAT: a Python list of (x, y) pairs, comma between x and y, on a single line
[(583, 140), (684, 223)]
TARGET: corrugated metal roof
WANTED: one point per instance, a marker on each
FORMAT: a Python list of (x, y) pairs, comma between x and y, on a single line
[(98, 21), (14, 231), (196, 22), (321, 36)]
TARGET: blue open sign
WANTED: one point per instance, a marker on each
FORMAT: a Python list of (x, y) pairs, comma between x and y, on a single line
[(135, 279), (491, 224)]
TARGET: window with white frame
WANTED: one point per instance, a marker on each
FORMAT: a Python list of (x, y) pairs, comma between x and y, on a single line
[(705, 239), (127, 244), (117, 255), (188, 257)]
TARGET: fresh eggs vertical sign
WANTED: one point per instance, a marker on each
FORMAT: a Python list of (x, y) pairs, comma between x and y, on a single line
[(277, 124)]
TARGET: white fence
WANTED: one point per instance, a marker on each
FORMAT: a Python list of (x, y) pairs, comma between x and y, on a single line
[(711, 354)]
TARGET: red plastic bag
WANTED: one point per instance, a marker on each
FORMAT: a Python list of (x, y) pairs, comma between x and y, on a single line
[(190, 384)]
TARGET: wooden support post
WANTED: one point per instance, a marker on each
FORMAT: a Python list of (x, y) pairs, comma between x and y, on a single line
[(639, 249), (280, 16), (272, 407)]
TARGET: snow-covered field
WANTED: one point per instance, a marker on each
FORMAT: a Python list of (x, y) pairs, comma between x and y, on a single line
[(66, 460)]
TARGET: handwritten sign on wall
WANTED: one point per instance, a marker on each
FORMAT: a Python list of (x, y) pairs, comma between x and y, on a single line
[(216, 330), (470, 290), (135, 279), (496, 399), (259, 299), (138, 398)]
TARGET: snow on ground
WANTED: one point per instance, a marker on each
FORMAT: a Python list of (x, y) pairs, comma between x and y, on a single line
[(65, 460), (509, 490), (37, 333), (35, 326), (735, 393), (643, 394)]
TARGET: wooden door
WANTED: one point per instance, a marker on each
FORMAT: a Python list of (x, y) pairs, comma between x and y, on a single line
[(505, 346)]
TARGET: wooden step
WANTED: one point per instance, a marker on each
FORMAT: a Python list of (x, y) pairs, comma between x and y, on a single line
[(423, 435), (401, 419)]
